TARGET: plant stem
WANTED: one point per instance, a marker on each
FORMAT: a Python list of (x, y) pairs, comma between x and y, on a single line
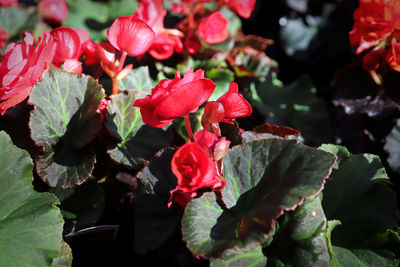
[(115, 82), (122, 61), (115, 86), (188, 128)]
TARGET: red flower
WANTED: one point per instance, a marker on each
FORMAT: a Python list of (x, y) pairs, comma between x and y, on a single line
[(242, 7), (171, 99), (54, 10), (4, 36), (131, 35), (393, 55), (68, 44), (22, 66), (227, 108), (214, 28), (167, 41), (7, 3), (194, 169), (192, 44), (374, 21)]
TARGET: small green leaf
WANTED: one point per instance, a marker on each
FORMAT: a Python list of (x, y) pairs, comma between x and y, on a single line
[(153, 221), (358, 195), (115, 10), (138, 79), (30, 223), (252, 258), (14, 19), (302, 238), (64, 121), (295, 103), (139, 142), (264, 179)]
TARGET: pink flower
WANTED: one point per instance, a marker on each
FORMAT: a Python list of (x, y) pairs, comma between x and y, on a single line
[(54, 10), (22, 66), (171, 99), (214, 28), (68, 44), (131, 35), (242, 7)]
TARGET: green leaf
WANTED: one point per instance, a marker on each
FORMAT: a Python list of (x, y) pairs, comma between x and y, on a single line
[(153, 221), (30, 223), (252, 258), (64, 259), (302, 238), (392, 147), (90, 16), (296, 104), (363, 258), (14, 19), (358, 195), (139, 142), (64, 121), (138, 79), (264, 179), (115, 10)]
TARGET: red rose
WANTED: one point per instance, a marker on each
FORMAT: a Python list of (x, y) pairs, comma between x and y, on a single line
[(214, 28), (131, 35), (55, 10), (171, 99), (194, 169), (22, 66)]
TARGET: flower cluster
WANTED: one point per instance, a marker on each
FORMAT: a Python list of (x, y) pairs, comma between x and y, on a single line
[(377, 26), (197, 164)]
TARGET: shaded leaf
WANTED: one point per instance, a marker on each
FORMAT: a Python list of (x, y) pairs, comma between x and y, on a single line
[(363, 258), (222, 78), (15, 19), (295, 104), (373, 108), (358, 195), (302, 238), (153, 221), (64, 122), (392, 147), (252, 258), (264, 179), (138, 79), (139, 142), (30, 223)]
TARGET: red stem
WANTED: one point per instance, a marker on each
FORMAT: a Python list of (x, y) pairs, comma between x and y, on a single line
[(188, 128), (115, 87)]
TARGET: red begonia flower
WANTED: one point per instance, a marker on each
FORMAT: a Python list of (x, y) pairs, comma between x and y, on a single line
[(194, 169), (192, 44), (206, 140), (393, 55), (72, 65), (8, 3), (4, 36), (171, 99), (54, 10), (131, 35), (214, 28), (373, 59), (68, 44), (22, 66), (374, 21), (227, 108), (164, 44), (242, 7)]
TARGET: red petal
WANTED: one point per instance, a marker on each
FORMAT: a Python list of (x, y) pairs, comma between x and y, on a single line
[(214, 28)]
